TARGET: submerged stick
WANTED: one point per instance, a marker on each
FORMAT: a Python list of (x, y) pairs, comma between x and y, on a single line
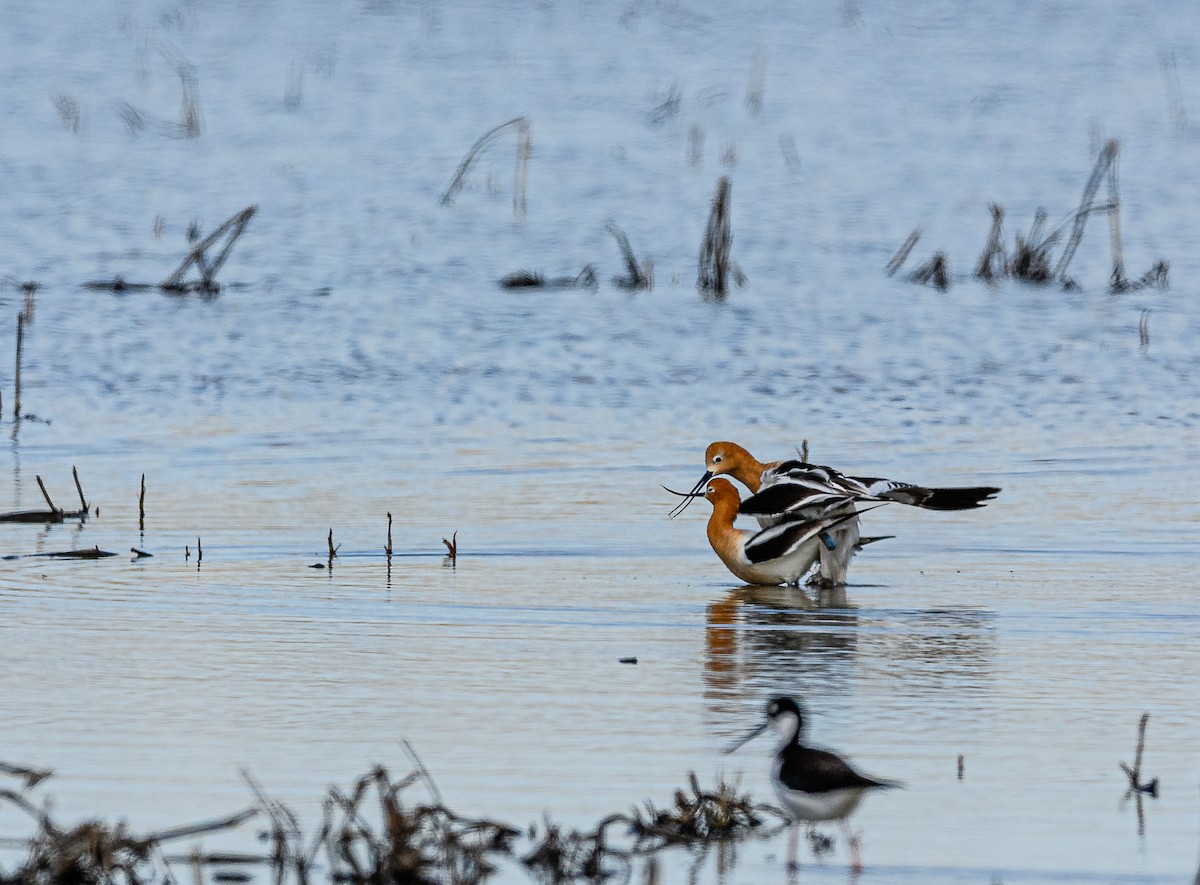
[(142, 506), (388, 548), (452, 548)]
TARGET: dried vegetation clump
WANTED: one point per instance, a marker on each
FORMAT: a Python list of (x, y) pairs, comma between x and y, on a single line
[(1030, 260), (372, 836)]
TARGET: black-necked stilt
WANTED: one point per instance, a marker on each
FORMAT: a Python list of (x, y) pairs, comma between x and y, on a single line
[(795, 489), (814, 785), (781, 554)]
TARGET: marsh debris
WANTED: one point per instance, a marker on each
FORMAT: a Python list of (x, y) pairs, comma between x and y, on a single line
[(54, 514), (530, 279), (220, 242), (1030, 260), (92, 852), (370, 835), (451, 550)]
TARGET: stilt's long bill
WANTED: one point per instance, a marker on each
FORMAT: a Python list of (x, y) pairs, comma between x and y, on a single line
[(791, 489), (813, 785)]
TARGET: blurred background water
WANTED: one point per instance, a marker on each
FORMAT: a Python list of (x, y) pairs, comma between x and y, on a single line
[(367, 362)]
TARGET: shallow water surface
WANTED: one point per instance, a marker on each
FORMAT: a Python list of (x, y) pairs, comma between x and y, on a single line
[(367, 363)]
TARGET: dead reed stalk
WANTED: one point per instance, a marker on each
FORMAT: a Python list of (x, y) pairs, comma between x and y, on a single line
[(142, 506), (1108, 155), (524, 132), (902, 253), (718, 239)]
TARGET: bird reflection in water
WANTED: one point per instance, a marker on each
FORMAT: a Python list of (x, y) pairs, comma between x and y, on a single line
[(778, 635)]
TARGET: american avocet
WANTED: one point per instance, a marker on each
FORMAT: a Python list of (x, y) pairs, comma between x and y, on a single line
[(780, 554), (813, 784), (796, 489)]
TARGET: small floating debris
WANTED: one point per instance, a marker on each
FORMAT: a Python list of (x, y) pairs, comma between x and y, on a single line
[(140, 554), (451, 550), (627, 661), (530, 279)]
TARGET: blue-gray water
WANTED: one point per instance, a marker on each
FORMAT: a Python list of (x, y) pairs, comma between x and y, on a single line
[(369, 363)]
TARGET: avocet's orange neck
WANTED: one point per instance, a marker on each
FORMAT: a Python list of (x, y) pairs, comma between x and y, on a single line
[(730, 459), (721, 533)]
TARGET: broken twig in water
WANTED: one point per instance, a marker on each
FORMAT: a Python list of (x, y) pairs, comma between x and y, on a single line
[(637, 276), (332, 550), (388, 548), (524, 151), (1135, 773), (451, 549), (142, 506)]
